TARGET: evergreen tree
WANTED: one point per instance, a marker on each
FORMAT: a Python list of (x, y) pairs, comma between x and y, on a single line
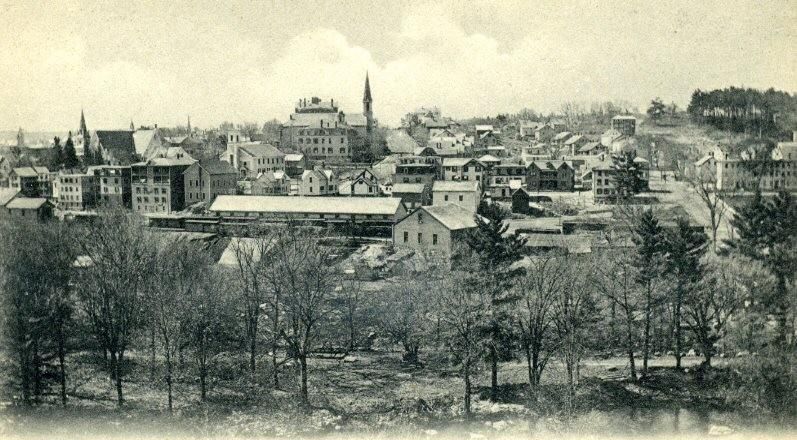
[(650, 244), (70, 155), (495, 253), (685, 247), (57, 159), (767, 232), (628, 176)]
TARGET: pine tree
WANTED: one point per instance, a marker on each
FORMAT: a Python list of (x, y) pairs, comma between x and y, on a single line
[(650, 244), (628, 176), (767, 232), (685, 247), (495, 252), (70, 155), (57, 154)]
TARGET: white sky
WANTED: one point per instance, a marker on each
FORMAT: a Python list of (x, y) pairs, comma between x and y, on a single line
[(156, 62)]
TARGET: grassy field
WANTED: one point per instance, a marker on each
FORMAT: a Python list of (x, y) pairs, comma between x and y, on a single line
[(377, 396)]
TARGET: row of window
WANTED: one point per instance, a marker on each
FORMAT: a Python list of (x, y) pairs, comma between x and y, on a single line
[(323, 140), (145, 199), (155, 190), (420, 238)]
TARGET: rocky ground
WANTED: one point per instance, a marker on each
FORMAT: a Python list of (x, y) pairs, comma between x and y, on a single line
[(375, 395)]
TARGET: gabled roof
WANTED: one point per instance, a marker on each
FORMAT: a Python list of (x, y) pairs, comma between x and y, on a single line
[(561, 136), (455, 186), (6, 194), (215, 167), (452, 216), (573, 139), (457, 161), (624, 117), (167, 162), (119, 142), (26, 203), (309, 205), (25, 172), (488, 158), (399, 142), (142, 140), (409, 188), (271, 176), (589, 146), (260, 150), (549, 164), (484, 128)]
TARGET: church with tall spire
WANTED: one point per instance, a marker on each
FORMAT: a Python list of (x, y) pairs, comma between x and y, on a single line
[(368, 110)]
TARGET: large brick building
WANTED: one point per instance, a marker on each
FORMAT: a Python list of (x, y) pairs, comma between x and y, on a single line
[(158, 185), (205, 179)]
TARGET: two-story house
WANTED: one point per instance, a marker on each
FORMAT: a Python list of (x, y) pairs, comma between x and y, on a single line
[(205, 179)]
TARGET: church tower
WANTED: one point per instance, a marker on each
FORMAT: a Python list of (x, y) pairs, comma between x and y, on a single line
[(84, 138), (368, 110), (20, 138)]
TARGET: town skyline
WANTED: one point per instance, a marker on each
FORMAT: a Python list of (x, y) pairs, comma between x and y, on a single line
[(232, 63)]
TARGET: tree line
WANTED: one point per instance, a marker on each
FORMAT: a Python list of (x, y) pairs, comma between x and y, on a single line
[(770, 113), (72, 294)]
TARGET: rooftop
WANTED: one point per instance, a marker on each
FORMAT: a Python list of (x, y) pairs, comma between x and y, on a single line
[(452, 216), (302, 205), (6, 194), (26, 203), (450, 185), (412, 188), (259, 150), (216, 167)]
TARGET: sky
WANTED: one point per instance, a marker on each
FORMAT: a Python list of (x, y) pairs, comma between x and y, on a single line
[(160, 61)]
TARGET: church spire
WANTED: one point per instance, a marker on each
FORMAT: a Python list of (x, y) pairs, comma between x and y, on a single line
[(189, 125), (367, 92), (132, 126), (83, 130)]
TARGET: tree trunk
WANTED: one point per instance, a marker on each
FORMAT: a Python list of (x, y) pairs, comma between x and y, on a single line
[(253, 351), (203, 370), (646, 345), (630, 342), (169, 376), (24, 369), (117, 374), (493, 374), (677, 325), (274, 344), (305, 400), (62, 363), (467, 388), (530, 368), (152, 355), (37, 375)]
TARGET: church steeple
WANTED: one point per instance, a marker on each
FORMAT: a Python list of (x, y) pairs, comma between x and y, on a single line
[(83, 130), (132, 126), (368, 110), (189, 125), (367, 100)]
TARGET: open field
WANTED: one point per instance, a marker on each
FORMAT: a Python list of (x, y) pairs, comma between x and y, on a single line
[(377, 396)]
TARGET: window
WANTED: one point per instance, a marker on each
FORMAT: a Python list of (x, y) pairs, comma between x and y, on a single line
[(420, 237), (460, 198), (445, 198), (434, 239)]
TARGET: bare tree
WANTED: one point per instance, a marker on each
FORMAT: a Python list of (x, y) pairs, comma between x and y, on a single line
[(119, 253), (615, 281), (251, 276), (178, 276), (712, 304), (463, 310), (403, 313), (545, 276), (309, 279), (575, 309), (705, 185)]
